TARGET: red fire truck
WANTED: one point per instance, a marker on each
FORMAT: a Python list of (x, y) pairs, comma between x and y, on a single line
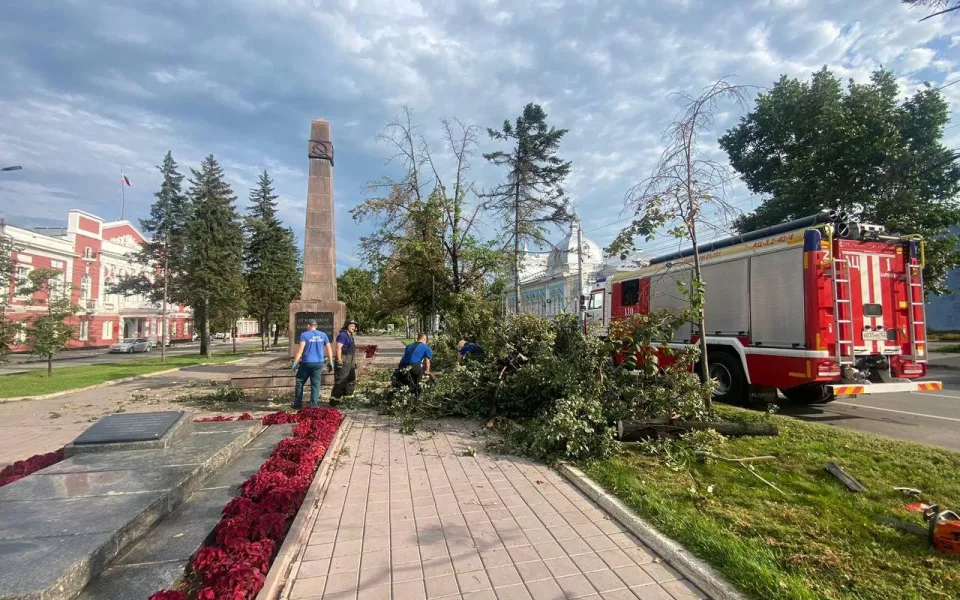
[(818, 307)]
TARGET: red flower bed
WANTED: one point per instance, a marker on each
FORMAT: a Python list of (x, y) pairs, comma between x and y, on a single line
[(255, 523), (22, 468)]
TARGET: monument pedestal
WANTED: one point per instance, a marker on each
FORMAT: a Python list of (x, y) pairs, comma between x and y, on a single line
[(329, 314)]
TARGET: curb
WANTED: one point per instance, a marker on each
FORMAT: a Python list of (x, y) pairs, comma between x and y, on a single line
[(697, 571), (275, 585), (118, 381)]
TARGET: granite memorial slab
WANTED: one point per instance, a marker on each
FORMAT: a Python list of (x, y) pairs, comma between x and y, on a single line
[(103, 503), (131, 431)]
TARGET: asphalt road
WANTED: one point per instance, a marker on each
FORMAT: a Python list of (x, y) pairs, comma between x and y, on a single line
[(19, 364), (931, 418)]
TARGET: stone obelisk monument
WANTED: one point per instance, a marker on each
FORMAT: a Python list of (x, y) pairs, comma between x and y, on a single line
[(318, 293)]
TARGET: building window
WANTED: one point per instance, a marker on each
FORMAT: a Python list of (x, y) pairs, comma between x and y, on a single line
[(58, 286), (85, 287), (84, 330), (108, 330), (88, 252), (21, 281), (21, 336)]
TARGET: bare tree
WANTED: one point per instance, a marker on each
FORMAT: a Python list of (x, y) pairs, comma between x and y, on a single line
[(941, 7), (423, 199), (684, 180)]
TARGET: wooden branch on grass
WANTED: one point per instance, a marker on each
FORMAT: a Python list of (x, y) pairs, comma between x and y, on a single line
[(631, 431)]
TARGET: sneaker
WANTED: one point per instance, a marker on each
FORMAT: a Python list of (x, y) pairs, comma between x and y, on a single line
[(296, 405)]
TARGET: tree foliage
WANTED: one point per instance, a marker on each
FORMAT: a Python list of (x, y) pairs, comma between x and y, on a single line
[(425, 243), (164, 251), (684, 182), (357, 288), (47, 331), (531, 197), (270, 259), (213, 282), (939, 7), (9, 284), (808, 146), (558, 395)]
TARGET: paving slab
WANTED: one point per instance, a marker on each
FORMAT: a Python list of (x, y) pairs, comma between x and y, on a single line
[(432, 515)]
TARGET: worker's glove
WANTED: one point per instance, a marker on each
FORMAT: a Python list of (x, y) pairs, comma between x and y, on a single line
[(294, 365), (330, 366), (339, 363)]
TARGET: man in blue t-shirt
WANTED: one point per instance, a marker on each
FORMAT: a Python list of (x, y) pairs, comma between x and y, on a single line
[(415, 364), (314, 346), (467, 349), (346, 371)]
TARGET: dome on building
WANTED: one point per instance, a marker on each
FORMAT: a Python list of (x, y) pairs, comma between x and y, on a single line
[(564, 254)]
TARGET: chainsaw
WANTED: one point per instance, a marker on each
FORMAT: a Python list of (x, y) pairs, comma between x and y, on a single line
[(943, 529)]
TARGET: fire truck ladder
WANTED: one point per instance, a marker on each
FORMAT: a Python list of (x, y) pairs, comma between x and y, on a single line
[(842, 311), (915, 282)]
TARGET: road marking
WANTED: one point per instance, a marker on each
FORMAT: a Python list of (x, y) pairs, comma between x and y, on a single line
[(902, 412), (938, 395)]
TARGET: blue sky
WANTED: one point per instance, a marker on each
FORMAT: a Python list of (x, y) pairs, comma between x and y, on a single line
[(89, 88)]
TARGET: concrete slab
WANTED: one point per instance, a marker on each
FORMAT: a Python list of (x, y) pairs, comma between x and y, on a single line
[(133, 581)]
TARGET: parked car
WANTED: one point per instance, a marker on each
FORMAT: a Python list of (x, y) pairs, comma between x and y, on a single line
[(130, 345)]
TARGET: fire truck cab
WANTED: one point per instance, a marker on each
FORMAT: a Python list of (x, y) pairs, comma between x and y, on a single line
[(819, 307)]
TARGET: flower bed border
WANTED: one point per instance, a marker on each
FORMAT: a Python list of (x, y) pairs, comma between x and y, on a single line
[(28, 466), (256, 522)]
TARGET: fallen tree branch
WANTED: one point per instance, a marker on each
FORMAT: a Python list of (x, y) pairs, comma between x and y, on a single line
[(631, 431), (747, 459)]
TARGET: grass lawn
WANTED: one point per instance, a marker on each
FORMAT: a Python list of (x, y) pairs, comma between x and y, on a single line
[(817, 541), (947, 348), (36, 382)]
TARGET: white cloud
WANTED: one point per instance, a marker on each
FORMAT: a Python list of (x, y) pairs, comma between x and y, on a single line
[(123, 82)]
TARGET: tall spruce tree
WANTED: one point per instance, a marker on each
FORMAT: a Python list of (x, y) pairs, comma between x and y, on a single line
[(213, 278), (531, 197), (270, 259), (164, 252)]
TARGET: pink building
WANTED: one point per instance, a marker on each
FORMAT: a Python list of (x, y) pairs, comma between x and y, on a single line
[(92, 254)]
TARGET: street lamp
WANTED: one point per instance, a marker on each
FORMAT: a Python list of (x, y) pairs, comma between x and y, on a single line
[(13, 168)]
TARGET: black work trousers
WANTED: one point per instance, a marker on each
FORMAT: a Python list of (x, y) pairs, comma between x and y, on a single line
[(346, 378)]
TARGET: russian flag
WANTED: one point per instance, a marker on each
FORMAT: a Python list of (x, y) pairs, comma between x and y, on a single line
[(125, 180)]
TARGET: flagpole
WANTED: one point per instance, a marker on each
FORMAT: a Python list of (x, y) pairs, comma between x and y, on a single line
[(123, 197)]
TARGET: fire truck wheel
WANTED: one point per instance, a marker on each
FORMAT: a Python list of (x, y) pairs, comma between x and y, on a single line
[(731, 385), (812, 393)]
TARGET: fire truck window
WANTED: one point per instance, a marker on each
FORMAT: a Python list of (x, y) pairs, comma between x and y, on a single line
[(630, 292), (872, 310), (596, 300)]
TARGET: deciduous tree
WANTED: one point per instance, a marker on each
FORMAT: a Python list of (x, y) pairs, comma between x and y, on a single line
[(684, 181), (807, 146), (8, 286), (47, 331), (939, 7)]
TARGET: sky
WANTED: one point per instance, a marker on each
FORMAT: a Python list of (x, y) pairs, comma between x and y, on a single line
[(93, 88)]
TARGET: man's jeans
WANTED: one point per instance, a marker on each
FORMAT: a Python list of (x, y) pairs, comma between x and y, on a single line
[(312, 372)]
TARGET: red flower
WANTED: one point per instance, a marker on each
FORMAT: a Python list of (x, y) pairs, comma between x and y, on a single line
[(169, 595), (255, 522)]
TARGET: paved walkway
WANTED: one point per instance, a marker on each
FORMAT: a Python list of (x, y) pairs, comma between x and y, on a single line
[(425, 516)]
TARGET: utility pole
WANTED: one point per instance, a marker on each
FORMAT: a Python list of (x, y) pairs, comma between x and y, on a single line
[(579, 274)]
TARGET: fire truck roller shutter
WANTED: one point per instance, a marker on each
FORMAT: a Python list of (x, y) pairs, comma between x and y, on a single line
[(776, 299), (665, 294), (727, 306)]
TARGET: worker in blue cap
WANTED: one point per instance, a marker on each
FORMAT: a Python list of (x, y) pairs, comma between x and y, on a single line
[(312, 353)]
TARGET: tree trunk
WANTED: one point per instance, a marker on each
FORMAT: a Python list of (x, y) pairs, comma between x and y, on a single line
[(633, 431), (163, 309), (49, 365), (701, 312), (516, 247), (276, 335), (263, 333), (234, 338), (205, 337)]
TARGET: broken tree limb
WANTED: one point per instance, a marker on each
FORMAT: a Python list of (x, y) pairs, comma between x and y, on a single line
[(631, 431), (746, 459), (846, 479)]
